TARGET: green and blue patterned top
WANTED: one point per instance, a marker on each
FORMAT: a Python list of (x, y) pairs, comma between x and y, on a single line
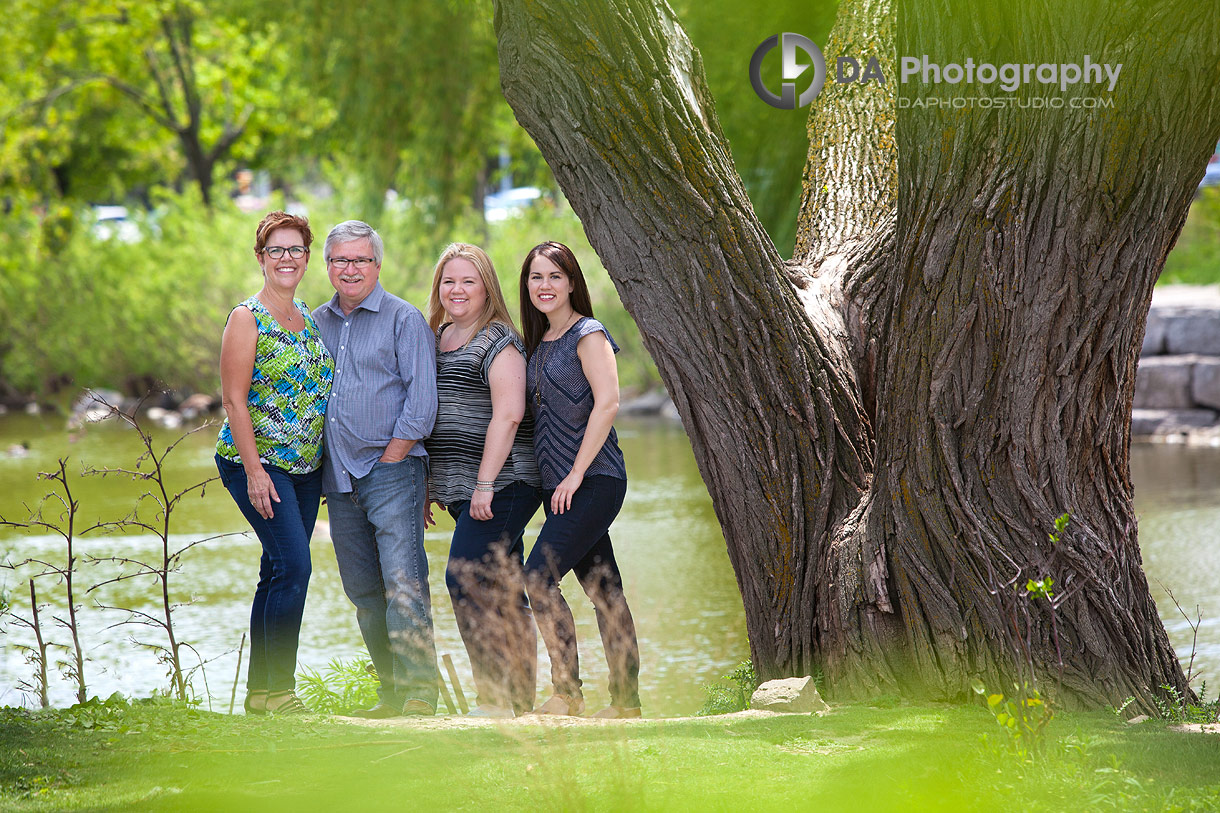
[(288, 392)]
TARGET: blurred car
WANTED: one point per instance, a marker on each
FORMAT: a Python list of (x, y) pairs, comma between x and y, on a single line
[(1211, 175), (113, 223), (509, 203)]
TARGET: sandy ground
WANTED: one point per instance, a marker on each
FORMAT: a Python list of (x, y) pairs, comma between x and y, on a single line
[(449, 721)]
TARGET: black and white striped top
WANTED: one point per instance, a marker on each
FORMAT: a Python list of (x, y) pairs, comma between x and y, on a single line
[(455, 447)]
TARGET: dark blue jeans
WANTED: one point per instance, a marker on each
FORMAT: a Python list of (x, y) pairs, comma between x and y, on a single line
[(283, 573), (487, 588), (378, 532), (578, 540)]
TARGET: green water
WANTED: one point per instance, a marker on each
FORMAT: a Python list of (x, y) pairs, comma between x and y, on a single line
[(680, 586)]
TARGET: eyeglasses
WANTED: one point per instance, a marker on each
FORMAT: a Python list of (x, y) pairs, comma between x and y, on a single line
[(295, 252), (344, 262)]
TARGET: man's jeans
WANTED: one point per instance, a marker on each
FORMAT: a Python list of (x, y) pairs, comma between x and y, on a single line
[(378, 532)]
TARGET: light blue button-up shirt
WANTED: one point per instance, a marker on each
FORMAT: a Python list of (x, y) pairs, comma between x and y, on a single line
[(384, 385)]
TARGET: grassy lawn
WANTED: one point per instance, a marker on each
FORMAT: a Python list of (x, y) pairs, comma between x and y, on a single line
[(856, 758)]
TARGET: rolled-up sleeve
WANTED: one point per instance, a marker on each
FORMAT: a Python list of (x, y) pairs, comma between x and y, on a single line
[(416, 351)]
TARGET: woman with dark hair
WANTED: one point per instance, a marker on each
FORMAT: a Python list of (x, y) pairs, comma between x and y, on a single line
[(482, 471), (572, 390), (275, 376)]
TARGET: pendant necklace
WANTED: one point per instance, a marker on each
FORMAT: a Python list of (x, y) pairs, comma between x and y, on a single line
[(540, 365)]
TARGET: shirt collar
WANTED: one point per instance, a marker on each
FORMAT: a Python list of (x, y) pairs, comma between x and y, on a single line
[(372, 302)]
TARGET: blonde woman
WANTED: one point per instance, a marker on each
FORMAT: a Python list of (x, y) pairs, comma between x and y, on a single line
[(483, 473)]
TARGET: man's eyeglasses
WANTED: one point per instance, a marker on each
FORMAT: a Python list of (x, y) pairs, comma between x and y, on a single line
[(295, 252), (343, 262)]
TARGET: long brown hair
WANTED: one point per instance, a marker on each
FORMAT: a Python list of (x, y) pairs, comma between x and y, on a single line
[(533, 321), (494, 308)]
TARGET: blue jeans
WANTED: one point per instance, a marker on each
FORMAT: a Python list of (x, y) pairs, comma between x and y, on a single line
[(378, 532), (283, 573), (578, 541), (484, 577)]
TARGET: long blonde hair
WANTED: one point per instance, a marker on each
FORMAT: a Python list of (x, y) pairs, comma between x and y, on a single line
[(494, 309)]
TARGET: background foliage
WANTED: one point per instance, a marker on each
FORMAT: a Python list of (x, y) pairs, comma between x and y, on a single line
[(156, 105)]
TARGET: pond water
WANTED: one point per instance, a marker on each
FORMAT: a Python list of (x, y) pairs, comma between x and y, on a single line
[(679, 583)]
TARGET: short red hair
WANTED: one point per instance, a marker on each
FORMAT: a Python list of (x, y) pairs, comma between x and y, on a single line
[(280, 220)]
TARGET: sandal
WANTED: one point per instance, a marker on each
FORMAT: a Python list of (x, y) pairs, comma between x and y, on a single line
[(288, 703), (562, 704), (617, 713), (255, 702)]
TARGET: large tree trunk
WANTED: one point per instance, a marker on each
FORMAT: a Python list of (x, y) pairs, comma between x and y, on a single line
[(889, 424)]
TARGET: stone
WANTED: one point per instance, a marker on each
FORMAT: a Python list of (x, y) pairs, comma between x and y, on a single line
[(1154, 334), (1192, 330), (789, 695), (650, 403), (1142, 718), (1148, 422), (1163, 382), (1205, 383)]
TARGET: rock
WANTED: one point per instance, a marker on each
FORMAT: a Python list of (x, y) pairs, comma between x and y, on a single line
[(1192, 330), (650, 403), (1146, 422), (670, 411), (165, 418), (196, 405), (90, 399), (1139, 719), (789, 694), (1163, 382), (1154, 334), (1205, 383)]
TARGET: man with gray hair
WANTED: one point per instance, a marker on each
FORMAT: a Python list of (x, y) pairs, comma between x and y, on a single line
[(382, 403)]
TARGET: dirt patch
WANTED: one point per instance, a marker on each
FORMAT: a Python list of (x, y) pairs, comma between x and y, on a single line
[(449, 721), (1198, 728)]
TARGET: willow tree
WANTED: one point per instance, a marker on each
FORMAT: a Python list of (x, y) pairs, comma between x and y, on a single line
[(889, 424)]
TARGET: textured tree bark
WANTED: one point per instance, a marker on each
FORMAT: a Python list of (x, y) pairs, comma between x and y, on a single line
[(889, 424)]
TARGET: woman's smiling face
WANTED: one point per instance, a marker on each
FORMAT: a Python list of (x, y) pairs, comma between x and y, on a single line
[(549, 287)]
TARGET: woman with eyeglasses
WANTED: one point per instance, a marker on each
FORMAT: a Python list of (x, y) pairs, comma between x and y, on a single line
[(275, 376)]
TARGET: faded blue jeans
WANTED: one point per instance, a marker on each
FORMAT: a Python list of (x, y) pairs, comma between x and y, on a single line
[(378, 532)]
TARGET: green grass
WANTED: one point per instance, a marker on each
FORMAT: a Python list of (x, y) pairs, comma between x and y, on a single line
[(857, 758), (1195, 259)]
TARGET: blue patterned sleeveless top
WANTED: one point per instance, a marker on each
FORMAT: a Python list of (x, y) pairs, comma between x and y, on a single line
[(561, 400), (288, 392)]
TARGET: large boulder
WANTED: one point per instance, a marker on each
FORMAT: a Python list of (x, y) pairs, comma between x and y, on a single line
[(1205, 383), (1192, 330), (1163, 382), (789, 695), (1149, 422)]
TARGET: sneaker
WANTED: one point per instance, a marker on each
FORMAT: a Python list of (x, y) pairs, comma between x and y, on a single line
[(562, 704), (417, 708), (381, 711), (617, 713), (482, 710)]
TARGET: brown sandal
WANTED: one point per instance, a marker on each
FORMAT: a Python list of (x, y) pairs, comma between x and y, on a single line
[(562, 704), (288, 703)]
